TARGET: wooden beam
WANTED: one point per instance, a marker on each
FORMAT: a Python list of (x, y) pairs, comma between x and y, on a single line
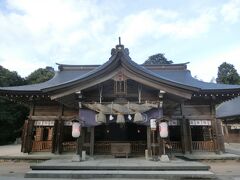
[(51, 118), (199, 117)]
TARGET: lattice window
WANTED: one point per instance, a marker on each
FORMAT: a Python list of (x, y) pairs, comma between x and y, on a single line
[(120, 84)]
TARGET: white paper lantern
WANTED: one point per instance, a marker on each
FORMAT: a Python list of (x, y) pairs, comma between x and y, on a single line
[(163, 129), (76, 127), (153, 124)]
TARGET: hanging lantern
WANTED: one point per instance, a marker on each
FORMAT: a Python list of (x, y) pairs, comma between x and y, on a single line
[(163, 129), (129, 117), (111, 117), (76, 129), (100, 118), (120, 119), (138, 117), (153, 124)]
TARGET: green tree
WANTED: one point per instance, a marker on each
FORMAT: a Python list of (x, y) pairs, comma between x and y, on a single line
[(227, 74), (10, 78), (40, 75), (157, 59), (12, 115)]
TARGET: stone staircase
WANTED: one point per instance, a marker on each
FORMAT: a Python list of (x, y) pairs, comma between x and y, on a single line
[(120, 168)]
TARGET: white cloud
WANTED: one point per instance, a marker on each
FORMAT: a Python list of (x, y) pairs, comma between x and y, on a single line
[(43, 32), (231, 11), (207, 67), (158, 23), (52, 31)]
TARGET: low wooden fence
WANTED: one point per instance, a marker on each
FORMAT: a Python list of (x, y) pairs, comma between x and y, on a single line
[(104, 147), (203, 145), (42, 146), (174, 146), (69, 146)]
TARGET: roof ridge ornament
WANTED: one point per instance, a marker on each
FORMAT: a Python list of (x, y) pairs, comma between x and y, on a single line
[(119, 48)]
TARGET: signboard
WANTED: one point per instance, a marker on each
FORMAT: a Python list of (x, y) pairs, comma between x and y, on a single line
[(200, 123), (153, 124), (44, 123), (67, 123), (235, 126), (174, 123)]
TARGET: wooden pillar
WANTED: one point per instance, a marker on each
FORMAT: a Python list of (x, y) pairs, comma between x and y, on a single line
[(58, 132), (29, 136), (149, 140), (186, 137), (215, 132), (80, 142), (29, 130), (220, 135), (189, 135), (92, 141), (54, 137), (24, 137), (59, 135)]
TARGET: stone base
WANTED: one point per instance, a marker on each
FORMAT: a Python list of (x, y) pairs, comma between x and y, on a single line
[(164, 158), (76, 158)]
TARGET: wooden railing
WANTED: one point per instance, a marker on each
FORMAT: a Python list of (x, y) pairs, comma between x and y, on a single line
[(203, 145), (174, 146), (41, 146), (69, 146), (104, 147), (138, 147)]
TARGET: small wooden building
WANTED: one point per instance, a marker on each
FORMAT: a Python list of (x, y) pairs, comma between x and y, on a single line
[(115, 102), (229, 113)]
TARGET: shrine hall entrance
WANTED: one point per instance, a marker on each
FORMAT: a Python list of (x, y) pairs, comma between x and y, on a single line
[(131, 134)]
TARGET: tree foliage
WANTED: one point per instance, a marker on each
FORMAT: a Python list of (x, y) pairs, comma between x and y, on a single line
[(227, 74), (12, 115), (40, 75), (157, 59), (10, 78)]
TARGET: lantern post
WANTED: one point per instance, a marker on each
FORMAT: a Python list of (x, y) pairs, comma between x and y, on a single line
[(153, 126), (76, 132), (163, 130)]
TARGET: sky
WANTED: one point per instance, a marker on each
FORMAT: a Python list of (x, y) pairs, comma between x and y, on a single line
[(39, 33)]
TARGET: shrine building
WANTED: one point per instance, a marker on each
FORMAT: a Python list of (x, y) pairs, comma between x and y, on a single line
[(114, 104)]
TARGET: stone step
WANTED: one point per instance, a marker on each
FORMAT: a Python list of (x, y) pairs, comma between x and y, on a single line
[(85, 174), (124, 167)]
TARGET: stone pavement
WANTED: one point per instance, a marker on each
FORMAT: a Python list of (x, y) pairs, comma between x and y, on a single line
[(13, 152), (233, 148), (13, 164)]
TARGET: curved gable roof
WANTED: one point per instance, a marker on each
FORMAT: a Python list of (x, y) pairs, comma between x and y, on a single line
[(71, 76), (229, 108)]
